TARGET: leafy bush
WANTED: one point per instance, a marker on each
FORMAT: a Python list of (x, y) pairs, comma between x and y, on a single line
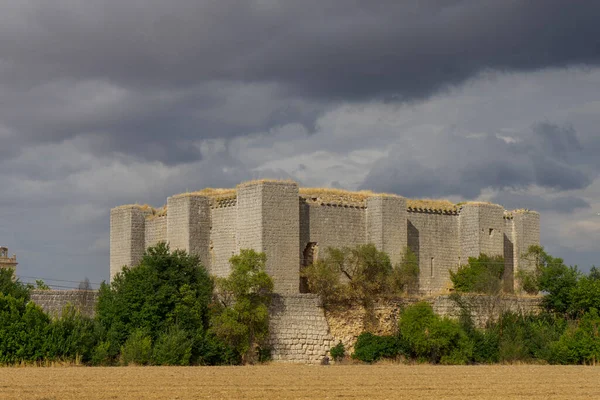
[(173, 347), (338, 352), (137, 349), (430, 337), (370, 348), (72, 336), (101, 354), (241, 317), (482, 274)]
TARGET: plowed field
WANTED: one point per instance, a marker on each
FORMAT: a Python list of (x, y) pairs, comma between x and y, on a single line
[(302, 382)]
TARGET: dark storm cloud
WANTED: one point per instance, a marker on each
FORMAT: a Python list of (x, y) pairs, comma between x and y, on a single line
[(450, 164), (158, 68)]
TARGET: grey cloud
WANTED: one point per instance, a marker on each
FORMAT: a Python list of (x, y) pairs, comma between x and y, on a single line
[(450, 164), (172, 72)]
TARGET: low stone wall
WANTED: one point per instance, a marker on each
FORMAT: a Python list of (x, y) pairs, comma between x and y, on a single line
[(298, 329), (346, 323), (54, 301)]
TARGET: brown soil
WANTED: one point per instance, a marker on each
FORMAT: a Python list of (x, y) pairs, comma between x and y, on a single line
[(387, 381)]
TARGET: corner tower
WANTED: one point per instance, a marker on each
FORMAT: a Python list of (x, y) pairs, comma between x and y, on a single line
[(268, 221)]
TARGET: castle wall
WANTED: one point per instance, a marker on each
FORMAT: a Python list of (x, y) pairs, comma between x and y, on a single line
[(481, 230), (433, 238), (509, 255), (386, 225), (156, 230), (332, 226), (222, 239), (127, 236), (188, 225), (526, 228), (268, 222), (298, 329)]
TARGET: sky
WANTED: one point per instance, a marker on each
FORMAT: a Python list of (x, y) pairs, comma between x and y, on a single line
[(109, 102)]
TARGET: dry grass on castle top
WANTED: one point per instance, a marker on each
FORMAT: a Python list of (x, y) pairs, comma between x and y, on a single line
[(280, 381)]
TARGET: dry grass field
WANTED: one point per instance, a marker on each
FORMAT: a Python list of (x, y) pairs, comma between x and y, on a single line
[(303, 382)]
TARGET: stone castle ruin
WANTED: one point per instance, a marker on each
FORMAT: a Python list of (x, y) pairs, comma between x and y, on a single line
[(5, 260), (293, 226)]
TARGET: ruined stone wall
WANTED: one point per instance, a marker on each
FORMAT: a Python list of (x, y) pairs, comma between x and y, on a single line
[(298, 329), (433, 237), (222, 239), (332, 226), (346, 324), (127, 236), (53, 302), (156, 230)]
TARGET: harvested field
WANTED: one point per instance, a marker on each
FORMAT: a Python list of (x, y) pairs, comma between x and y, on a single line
[(302, 382)]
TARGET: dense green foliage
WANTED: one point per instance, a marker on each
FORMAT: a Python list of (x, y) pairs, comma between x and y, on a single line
[(162, 312), (370, 348), (241, 316), (482, 274)]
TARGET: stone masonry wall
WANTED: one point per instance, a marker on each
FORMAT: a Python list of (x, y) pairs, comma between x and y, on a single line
[(222, 239), (127, 236), (386, 225), (156, 230), (298, 329), (526, 233), (188, 225), (332, 226), (281, 234), (53, 302), (433, 238)]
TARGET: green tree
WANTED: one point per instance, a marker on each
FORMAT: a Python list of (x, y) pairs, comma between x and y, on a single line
[(22, 330), (482, 274), (585, 295), (553, 278), (241, 315), (165, 289), (9, 286)]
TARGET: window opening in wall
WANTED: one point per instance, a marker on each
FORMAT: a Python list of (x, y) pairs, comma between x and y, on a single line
[(491, 231), (432, 267), (309, 255)]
